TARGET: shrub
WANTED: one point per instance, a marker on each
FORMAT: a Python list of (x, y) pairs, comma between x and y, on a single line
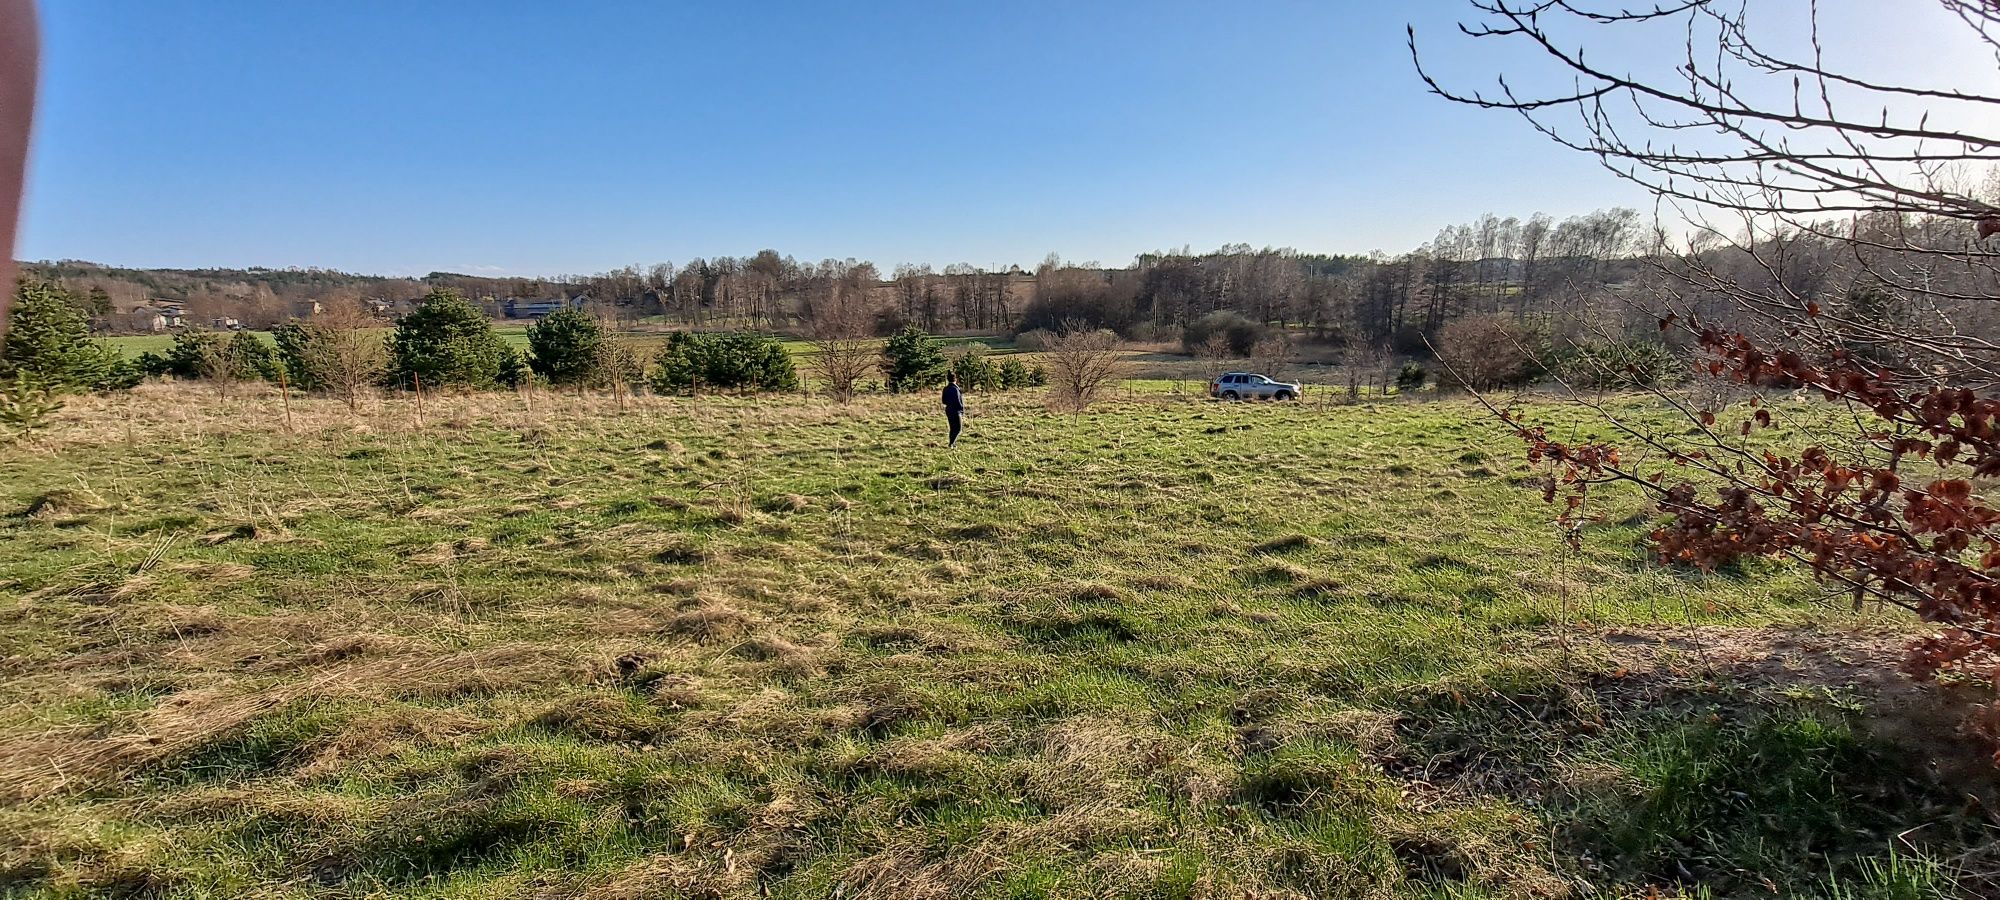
[(840, 363), (295, 341), (25, 406), (1034, 340), (1482, 352), (912, 361), (1153, 333), (193, 355), (337, 352), (247, 357), (447, 341), (1411, 377), (1619, 364), (1013, 374), (690, 361), (514, 370), (620, 367), (241, 356), (974, 372), (152, 365), (1240, 334), (565, 347), (1086, 364), (48, 341)]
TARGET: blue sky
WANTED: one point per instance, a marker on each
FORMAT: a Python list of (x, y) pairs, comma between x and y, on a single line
[(545, 138)]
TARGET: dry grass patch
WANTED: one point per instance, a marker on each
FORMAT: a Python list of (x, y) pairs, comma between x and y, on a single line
[(385, 735), (707, 620)]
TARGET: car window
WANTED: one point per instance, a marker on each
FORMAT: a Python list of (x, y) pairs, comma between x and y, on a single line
[(1262, 380)]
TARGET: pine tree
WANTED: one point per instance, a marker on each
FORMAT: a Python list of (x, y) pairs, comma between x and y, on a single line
[(913, 360), (48, 339), (447, 341), (565, 347)]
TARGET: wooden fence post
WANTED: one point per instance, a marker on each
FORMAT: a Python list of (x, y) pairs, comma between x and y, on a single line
[(285, 391)]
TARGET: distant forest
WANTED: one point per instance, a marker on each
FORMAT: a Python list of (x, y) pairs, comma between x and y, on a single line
[(1592, 272)]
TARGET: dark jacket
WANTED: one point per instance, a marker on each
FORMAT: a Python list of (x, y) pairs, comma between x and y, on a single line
[(953, 402)]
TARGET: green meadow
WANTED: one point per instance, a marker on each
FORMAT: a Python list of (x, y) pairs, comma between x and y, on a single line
[(544, 645)]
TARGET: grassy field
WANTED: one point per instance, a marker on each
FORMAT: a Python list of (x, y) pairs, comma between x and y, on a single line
[(542, 647), (131, 345)]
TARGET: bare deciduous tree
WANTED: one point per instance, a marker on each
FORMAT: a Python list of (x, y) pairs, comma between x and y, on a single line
[(1272, 355), (842, 353), (1484, 352), (618, 364), (1215, 355), (1833, 245), (1083, 363), (345, 352), (1365, 364), (216, 365)]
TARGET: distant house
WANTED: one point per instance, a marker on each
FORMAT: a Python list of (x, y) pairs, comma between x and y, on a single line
[(306, 309), (160, 316), (518, 308), (389, 309), (225, 323)]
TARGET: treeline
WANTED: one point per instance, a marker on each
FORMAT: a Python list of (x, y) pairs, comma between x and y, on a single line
[(448, 343), (1528, 266), (1533, 267), (260, 298), (1595, 276)]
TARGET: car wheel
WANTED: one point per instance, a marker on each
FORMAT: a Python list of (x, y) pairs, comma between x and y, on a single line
[(1230, 396), (1285, 395)]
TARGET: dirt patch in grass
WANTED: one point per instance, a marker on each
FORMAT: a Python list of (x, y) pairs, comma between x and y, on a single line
[(1926, 719), (1291, 543), (63, 502), (936, 639), (1070, 624)]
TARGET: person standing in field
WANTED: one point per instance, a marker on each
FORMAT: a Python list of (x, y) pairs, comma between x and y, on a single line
[(954, 404)]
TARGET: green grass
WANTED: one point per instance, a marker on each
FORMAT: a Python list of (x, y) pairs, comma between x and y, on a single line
[(131, 345), (751, 647)]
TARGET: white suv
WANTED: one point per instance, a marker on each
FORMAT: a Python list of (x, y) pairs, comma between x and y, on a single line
[(1245, 386)]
